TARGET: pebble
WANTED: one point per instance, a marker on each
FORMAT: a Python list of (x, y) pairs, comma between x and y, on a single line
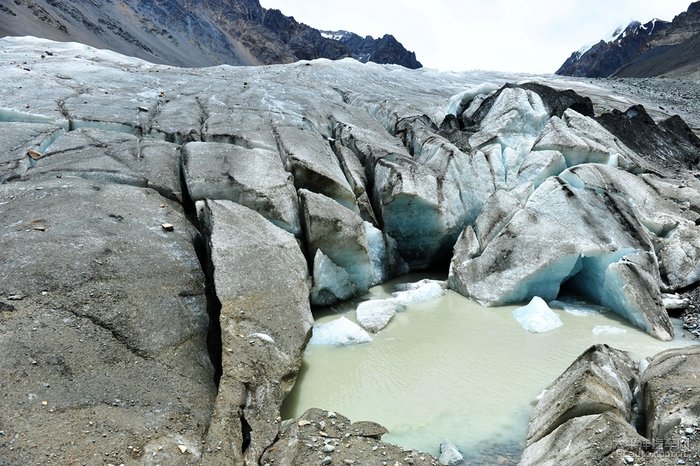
[(168, 226), (327, 460), (690, 431), (182, 448), (629, 459), (328, 448), (303, 423)]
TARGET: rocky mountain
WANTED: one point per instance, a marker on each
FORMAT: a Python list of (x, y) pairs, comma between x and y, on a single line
[(190, 33), (384, 50), (166, 231), (656, 48)]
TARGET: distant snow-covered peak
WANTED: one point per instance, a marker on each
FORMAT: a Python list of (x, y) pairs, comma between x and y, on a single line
[(335, 35)]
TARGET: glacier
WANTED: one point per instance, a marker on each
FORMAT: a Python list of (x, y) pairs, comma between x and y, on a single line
[(285, 188)]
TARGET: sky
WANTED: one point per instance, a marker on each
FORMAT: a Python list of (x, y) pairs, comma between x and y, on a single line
[(534, 36)]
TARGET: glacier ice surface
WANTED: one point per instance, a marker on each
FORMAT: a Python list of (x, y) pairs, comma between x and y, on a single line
[(378, 255), (459, 102), (331, 282)]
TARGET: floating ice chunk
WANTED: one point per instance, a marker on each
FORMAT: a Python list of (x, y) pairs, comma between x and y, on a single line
[(375, 314), (577, 307), (340, 332), (450, 454), (419, 292), (537, 317), (608, 330)]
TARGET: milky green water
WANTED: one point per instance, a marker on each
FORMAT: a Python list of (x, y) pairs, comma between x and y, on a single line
[(452, 369)]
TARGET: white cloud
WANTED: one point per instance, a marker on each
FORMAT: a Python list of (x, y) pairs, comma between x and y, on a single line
[(509, 35)]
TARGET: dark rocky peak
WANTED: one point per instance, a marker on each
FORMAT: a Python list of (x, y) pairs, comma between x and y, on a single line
[(671, 144), (383, 50)]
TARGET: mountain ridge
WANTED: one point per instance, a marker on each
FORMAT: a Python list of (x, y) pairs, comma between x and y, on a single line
[(655, 48), (191, 33)]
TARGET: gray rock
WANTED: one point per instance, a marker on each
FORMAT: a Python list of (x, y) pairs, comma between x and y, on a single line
[(254, 178), (588, 415), (658, 204), (261, 280), (354, 443)]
